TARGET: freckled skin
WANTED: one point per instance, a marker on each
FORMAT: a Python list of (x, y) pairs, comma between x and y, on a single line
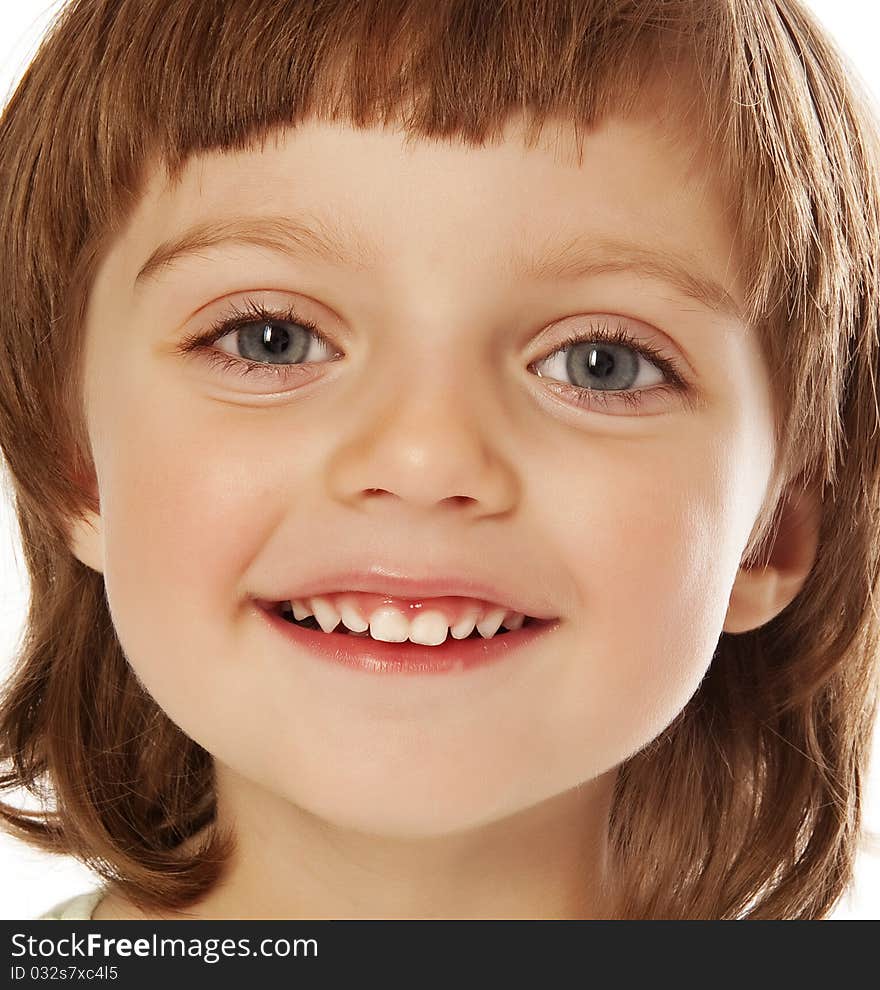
[(357, 796)]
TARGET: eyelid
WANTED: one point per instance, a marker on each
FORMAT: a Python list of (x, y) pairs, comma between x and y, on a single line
[(601, 332), (666, 344), (253, 312)]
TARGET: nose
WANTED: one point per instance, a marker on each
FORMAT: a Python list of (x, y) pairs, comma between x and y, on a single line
[(426, 445)]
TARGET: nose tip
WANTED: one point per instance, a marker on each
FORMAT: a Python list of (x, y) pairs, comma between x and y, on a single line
[(426, 456)]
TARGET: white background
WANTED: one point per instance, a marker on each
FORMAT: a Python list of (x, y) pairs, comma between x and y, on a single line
[(32, 881)]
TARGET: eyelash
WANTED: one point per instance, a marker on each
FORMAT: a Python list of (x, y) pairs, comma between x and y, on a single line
[(597, 332)]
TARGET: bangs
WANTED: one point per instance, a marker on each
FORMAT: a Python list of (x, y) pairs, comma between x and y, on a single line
[(168, 81), (456, 70)]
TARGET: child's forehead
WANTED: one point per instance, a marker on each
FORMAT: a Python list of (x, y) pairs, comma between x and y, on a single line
[(655, 125), (569, 177)]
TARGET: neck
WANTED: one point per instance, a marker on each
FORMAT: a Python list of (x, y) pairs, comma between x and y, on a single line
[(547, 862)]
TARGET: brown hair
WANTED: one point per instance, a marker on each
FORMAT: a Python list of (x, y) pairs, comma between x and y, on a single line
[(749, 803)]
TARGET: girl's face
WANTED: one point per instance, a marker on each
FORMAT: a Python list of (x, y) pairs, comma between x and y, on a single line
[(429, 446)]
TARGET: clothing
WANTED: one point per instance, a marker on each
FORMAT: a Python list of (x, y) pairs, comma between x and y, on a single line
[(78, 908)]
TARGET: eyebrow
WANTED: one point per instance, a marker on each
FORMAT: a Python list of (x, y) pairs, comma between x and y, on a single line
[(583, 257), (304, 235), (330, 241)]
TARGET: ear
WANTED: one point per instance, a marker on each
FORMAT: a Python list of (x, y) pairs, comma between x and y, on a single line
[(86, 535), (87, 541), (760, 593)]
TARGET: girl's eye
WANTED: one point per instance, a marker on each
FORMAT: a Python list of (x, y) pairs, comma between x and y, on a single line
[(604, 366), (267, 342)]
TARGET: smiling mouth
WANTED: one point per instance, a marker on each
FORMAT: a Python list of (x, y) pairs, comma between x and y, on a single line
[(393, 655), (341, 630)]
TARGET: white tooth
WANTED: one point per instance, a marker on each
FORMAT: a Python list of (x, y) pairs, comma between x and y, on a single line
[(491, 622), (352, 617), (514, 620), (465, 626), (300, 609), (429, 628), (325, 613), (389, 625)]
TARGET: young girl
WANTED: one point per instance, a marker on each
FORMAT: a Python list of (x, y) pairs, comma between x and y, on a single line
[(536, 580)]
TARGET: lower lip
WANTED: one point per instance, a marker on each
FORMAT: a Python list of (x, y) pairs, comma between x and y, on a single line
[(376, 657)]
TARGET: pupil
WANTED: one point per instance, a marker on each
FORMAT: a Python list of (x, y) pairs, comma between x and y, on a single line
[(274, 339), (601, 362)]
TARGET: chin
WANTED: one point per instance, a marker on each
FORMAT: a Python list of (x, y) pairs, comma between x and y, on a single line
[(402, 819)]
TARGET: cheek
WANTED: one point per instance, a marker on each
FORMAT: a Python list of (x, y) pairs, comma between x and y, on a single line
[(187, 502), (653, 535)]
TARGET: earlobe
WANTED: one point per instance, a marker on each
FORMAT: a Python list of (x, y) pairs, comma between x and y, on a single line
[(86, 531), (87, 541), (86, 536), (760, 593)]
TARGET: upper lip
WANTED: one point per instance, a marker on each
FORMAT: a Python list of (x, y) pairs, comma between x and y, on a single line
[(394, 583)]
